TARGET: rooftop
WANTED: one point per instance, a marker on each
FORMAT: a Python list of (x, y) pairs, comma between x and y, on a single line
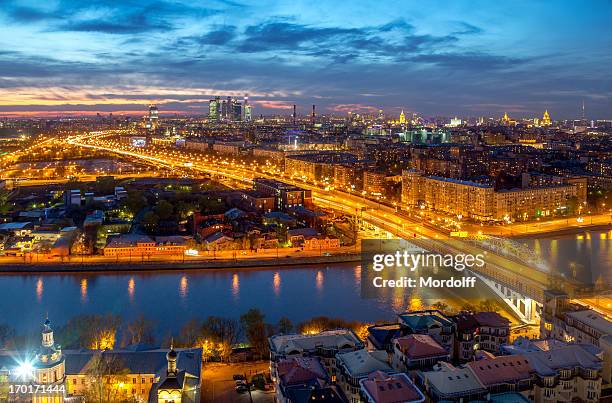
[(503, 369), (592, 319), (363, 362), (423, 320), (547, 363), (298, 343), (384, 388), (448, 379), (300, 370), (420, 346)]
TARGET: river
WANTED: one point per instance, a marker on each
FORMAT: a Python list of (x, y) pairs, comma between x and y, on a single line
[(171, 298)]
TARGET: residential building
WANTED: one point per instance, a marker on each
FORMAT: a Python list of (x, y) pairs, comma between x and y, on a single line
[(257, 201), (430, 322), (324, 345), (380, 337), (380, 387), (564, 371), (571, 322), (374, 182), (449, 383), (479, 331), (354, 366), (303, 379), (504, 373), (286, 195), (481, 201), (417, 352), (142, 245)]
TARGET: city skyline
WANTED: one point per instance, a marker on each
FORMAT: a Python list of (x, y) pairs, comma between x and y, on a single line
[(461, 59)]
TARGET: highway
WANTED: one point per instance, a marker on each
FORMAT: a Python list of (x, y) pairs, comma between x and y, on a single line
[(530, 279)]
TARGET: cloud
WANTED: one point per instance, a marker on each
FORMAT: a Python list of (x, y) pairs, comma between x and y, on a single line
[(469, 61), (219, 36), (272, 104), (131, 24), (355, 108)]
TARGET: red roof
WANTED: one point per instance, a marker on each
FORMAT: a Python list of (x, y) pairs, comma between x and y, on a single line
[(396, 388), (299, 370), (420, 346), (503, 369), (492, 319)]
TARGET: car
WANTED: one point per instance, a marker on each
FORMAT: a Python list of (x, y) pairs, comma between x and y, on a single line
[(242, 388), (238, 377)]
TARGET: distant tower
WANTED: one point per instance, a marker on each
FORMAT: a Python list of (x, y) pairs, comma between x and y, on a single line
[(583, 113), (294, 116), (246, 109), (402, 118), (214, 106), (506, 119), (314, 115), (546, 119), (153, 116)]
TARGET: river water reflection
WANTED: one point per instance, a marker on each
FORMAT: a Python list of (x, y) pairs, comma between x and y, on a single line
[(172, 298)]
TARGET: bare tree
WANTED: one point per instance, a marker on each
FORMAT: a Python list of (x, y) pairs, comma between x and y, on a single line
[(140, 330), (106, 377)]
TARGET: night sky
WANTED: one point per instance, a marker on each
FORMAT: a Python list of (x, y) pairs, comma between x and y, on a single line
[(467, 58)]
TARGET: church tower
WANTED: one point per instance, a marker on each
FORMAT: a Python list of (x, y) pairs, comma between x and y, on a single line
[(49, 365), (171, 357), (170, 390)]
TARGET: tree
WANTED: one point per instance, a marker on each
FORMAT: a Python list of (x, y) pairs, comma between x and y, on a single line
[(572, 205), (164, 209), (6, 335), (96, 332), (150, 221), (5, 205), (440, 306), (284, 325), (223, 330), (140, 330), (223, 333), (105, 376), (467, 307), (105, 184), (488, 305), (190, 332), (134, 202), (255, 329)]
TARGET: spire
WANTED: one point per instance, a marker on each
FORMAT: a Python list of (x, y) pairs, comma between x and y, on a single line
[(546, 119)]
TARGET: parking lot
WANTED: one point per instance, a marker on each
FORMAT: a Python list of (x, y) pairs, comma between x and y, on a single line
[(218, 384)]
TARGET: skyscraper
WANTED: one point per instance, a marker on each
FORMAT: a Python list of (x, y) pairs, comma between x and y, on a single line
[(236, 111), (152, 118), (226, 109), (246, 110), (213, 109)]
